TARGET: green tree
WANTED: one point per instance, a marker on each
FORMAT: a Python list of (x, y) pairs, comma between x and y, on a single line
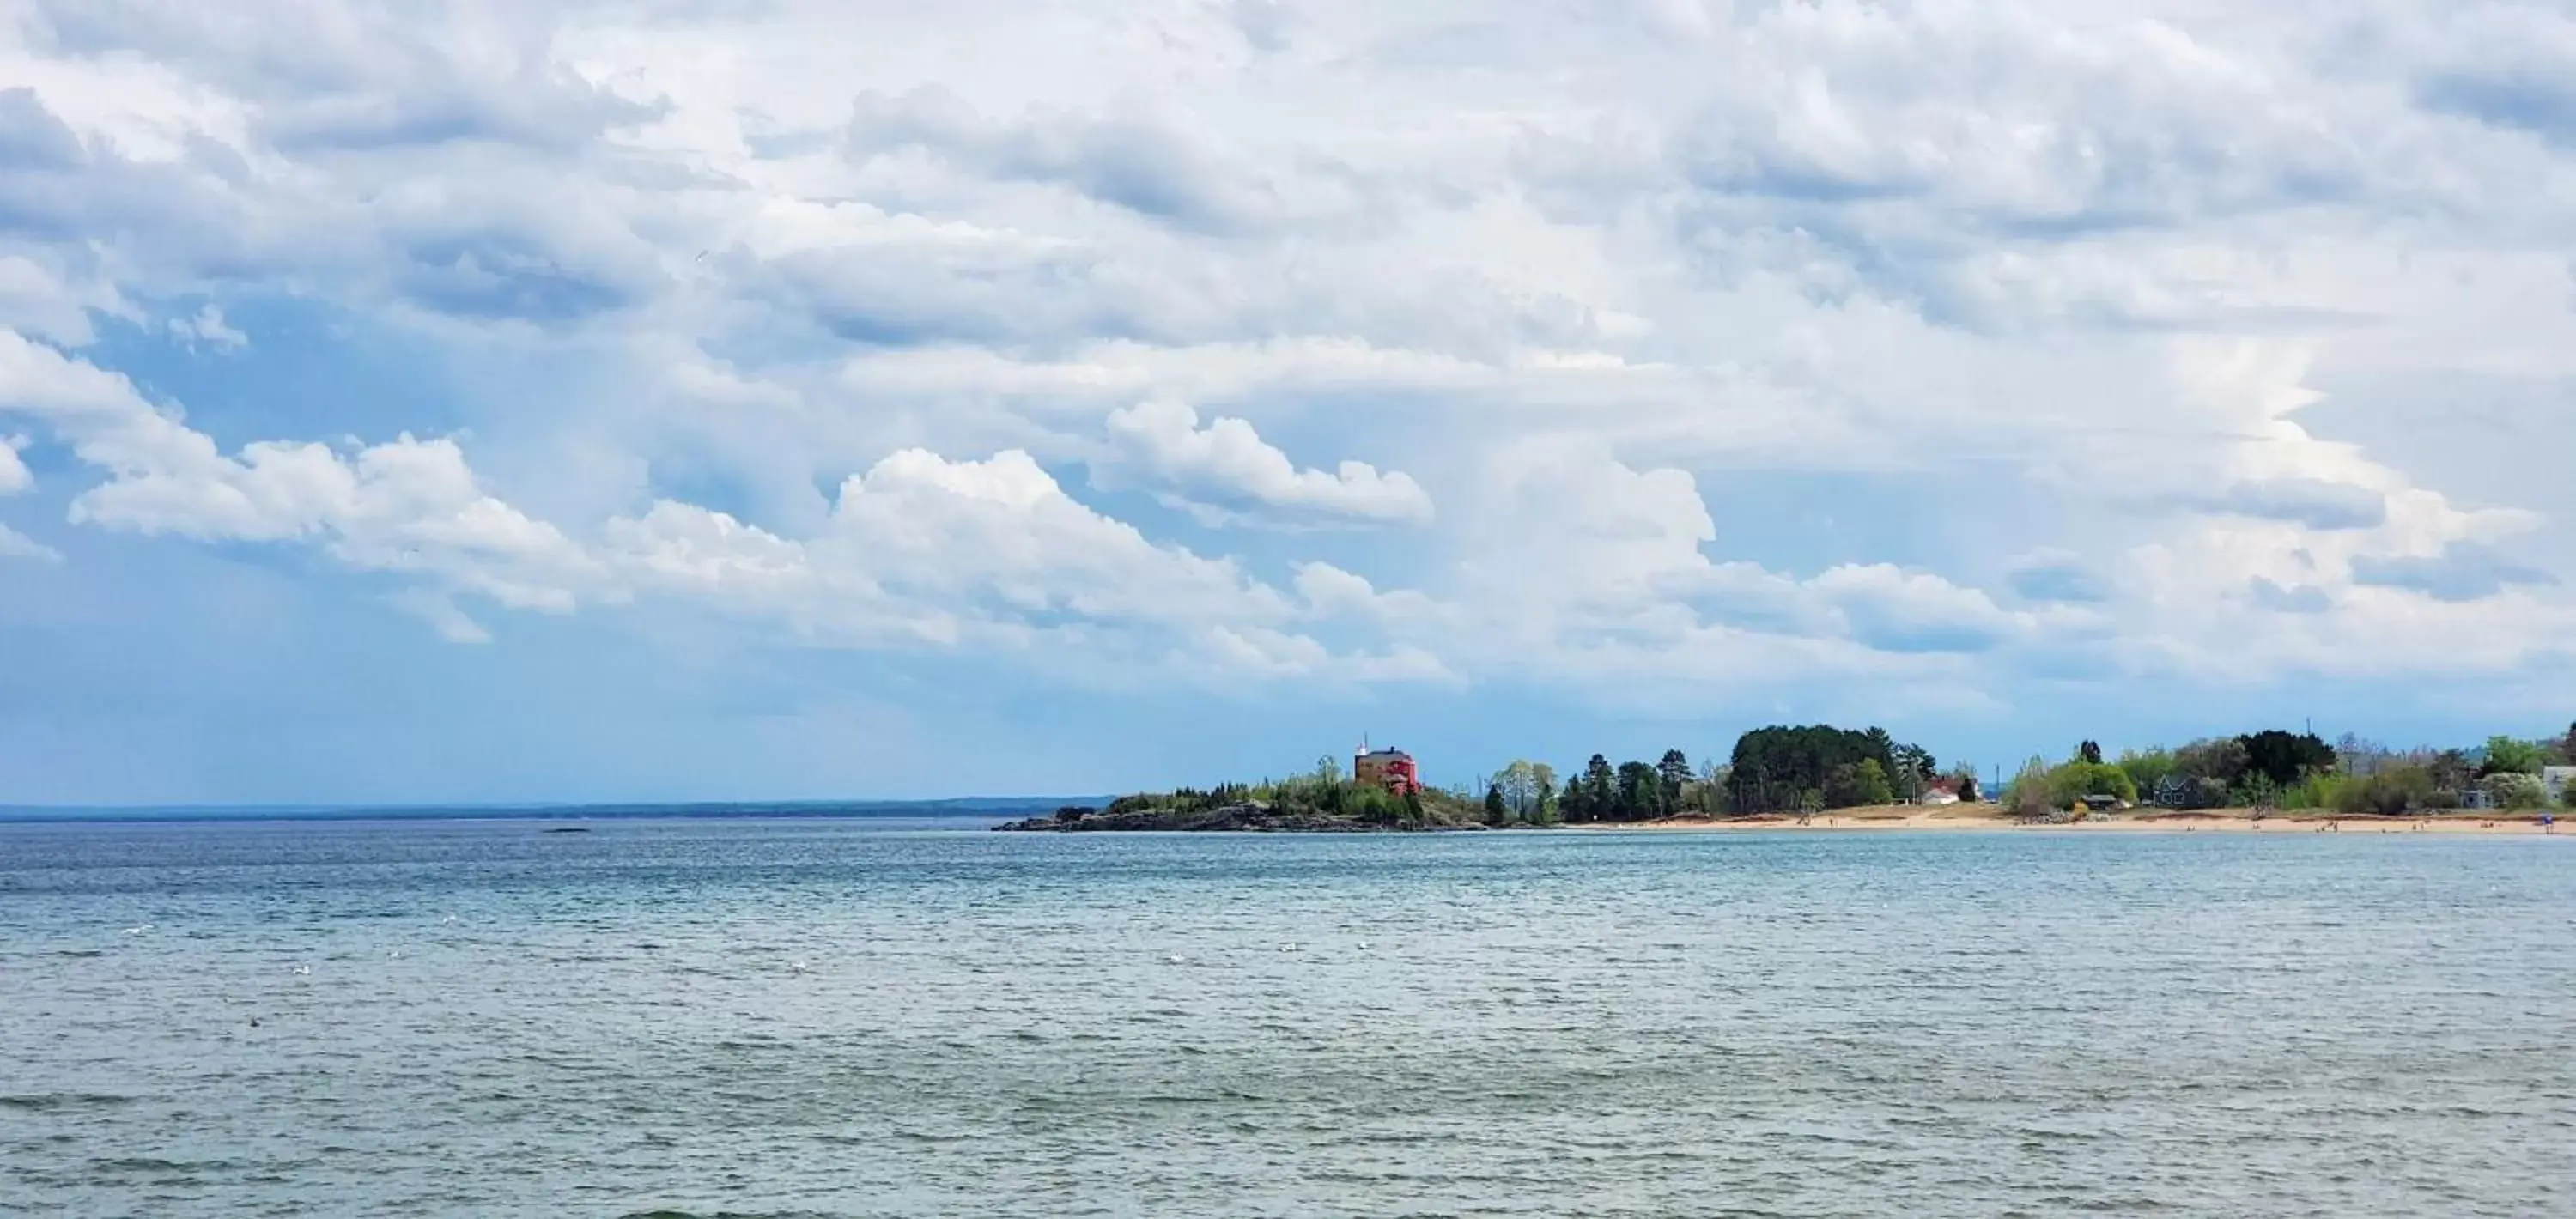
[(1600, 789), (1496, 812), (2089, 753), (2220, 760), (1673, 776), (1915, 767), (1870, 787), (2147, 769), (2286, 758), (2257, 790), (2507, 756), (2451, 771), (1640, 792), (1774, 767)]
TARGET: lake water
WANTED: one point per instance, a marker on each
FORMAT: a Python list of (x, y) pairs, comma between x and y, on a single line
[(838, 1018)]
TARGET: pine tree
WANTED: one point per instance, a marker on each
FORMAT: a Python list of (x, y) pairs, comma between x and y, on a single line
[(1675, 772), (1570, 805), (1600, 789)]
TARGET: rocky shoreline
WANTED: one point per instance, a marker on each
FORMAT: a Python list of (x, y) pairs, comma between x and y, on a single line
[(1247, 817)]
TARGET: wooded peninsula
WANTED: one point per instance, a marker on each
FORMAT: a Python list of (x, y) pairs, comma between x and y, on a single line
[(1795, 774)]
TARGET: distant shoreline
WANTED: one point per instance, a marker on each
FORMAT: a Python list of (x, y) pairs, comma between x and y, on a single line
[(1946, 818), (962, 808)]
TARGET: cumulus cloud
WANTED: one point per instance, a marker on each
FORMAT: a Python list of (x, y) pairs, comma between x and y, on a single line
[(918, 547), (1227, 467), (2315, 503), (406, 505), (208, 327), (2506, 65), (1901, 611), (14, 477), (2461, 571), (1151, 165), (2288, 599), (2056, 575), (1729, 336), (16, 545)]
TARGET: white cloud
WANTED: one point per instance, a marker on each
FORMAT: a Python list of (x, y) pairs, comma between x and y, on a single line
[(1884, 294), (208, 327), (14, 476), (38, 300), (1227, 467), (16, 545), (917, 548), (442, 615), (408, 505)]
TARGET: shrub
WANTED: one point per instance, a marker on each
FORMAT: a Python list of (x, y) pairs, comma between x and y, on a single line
[(2516, 791), (2029, 793), (2321, 791), (2075, 781), (2394, 790)]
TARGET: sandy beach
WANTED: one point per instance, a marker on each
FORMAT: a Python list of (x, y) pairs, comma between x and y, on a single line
[(2212, 821)]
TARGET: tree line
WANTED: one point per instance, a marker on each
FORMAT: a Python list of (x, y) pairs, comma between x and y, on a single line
[(1813, 768), (1774, 769), (2276, 768)]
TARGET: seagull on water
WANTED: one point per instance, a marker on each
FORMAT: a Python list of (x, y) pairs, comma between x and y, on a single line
[(303, 971)]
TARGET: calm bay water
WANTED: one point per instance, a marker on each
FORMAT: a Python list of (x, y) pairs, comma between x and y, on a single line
[(836, 1018)]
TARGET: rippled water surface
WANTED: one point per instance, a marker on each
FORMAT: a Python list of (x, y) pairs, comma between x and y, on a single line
[(833, 1018)]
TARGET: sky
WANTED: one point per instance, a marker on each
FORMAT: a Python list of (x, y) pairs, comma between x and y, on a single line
[(692, 399)]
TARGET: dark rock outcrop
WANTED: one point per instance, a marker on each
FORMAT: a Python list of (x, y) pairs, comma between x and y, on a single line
[(1250, 816)]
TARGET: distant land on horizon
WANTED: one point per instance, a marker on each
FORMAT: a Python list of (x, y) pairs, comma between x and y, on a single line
[(952, 806)]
